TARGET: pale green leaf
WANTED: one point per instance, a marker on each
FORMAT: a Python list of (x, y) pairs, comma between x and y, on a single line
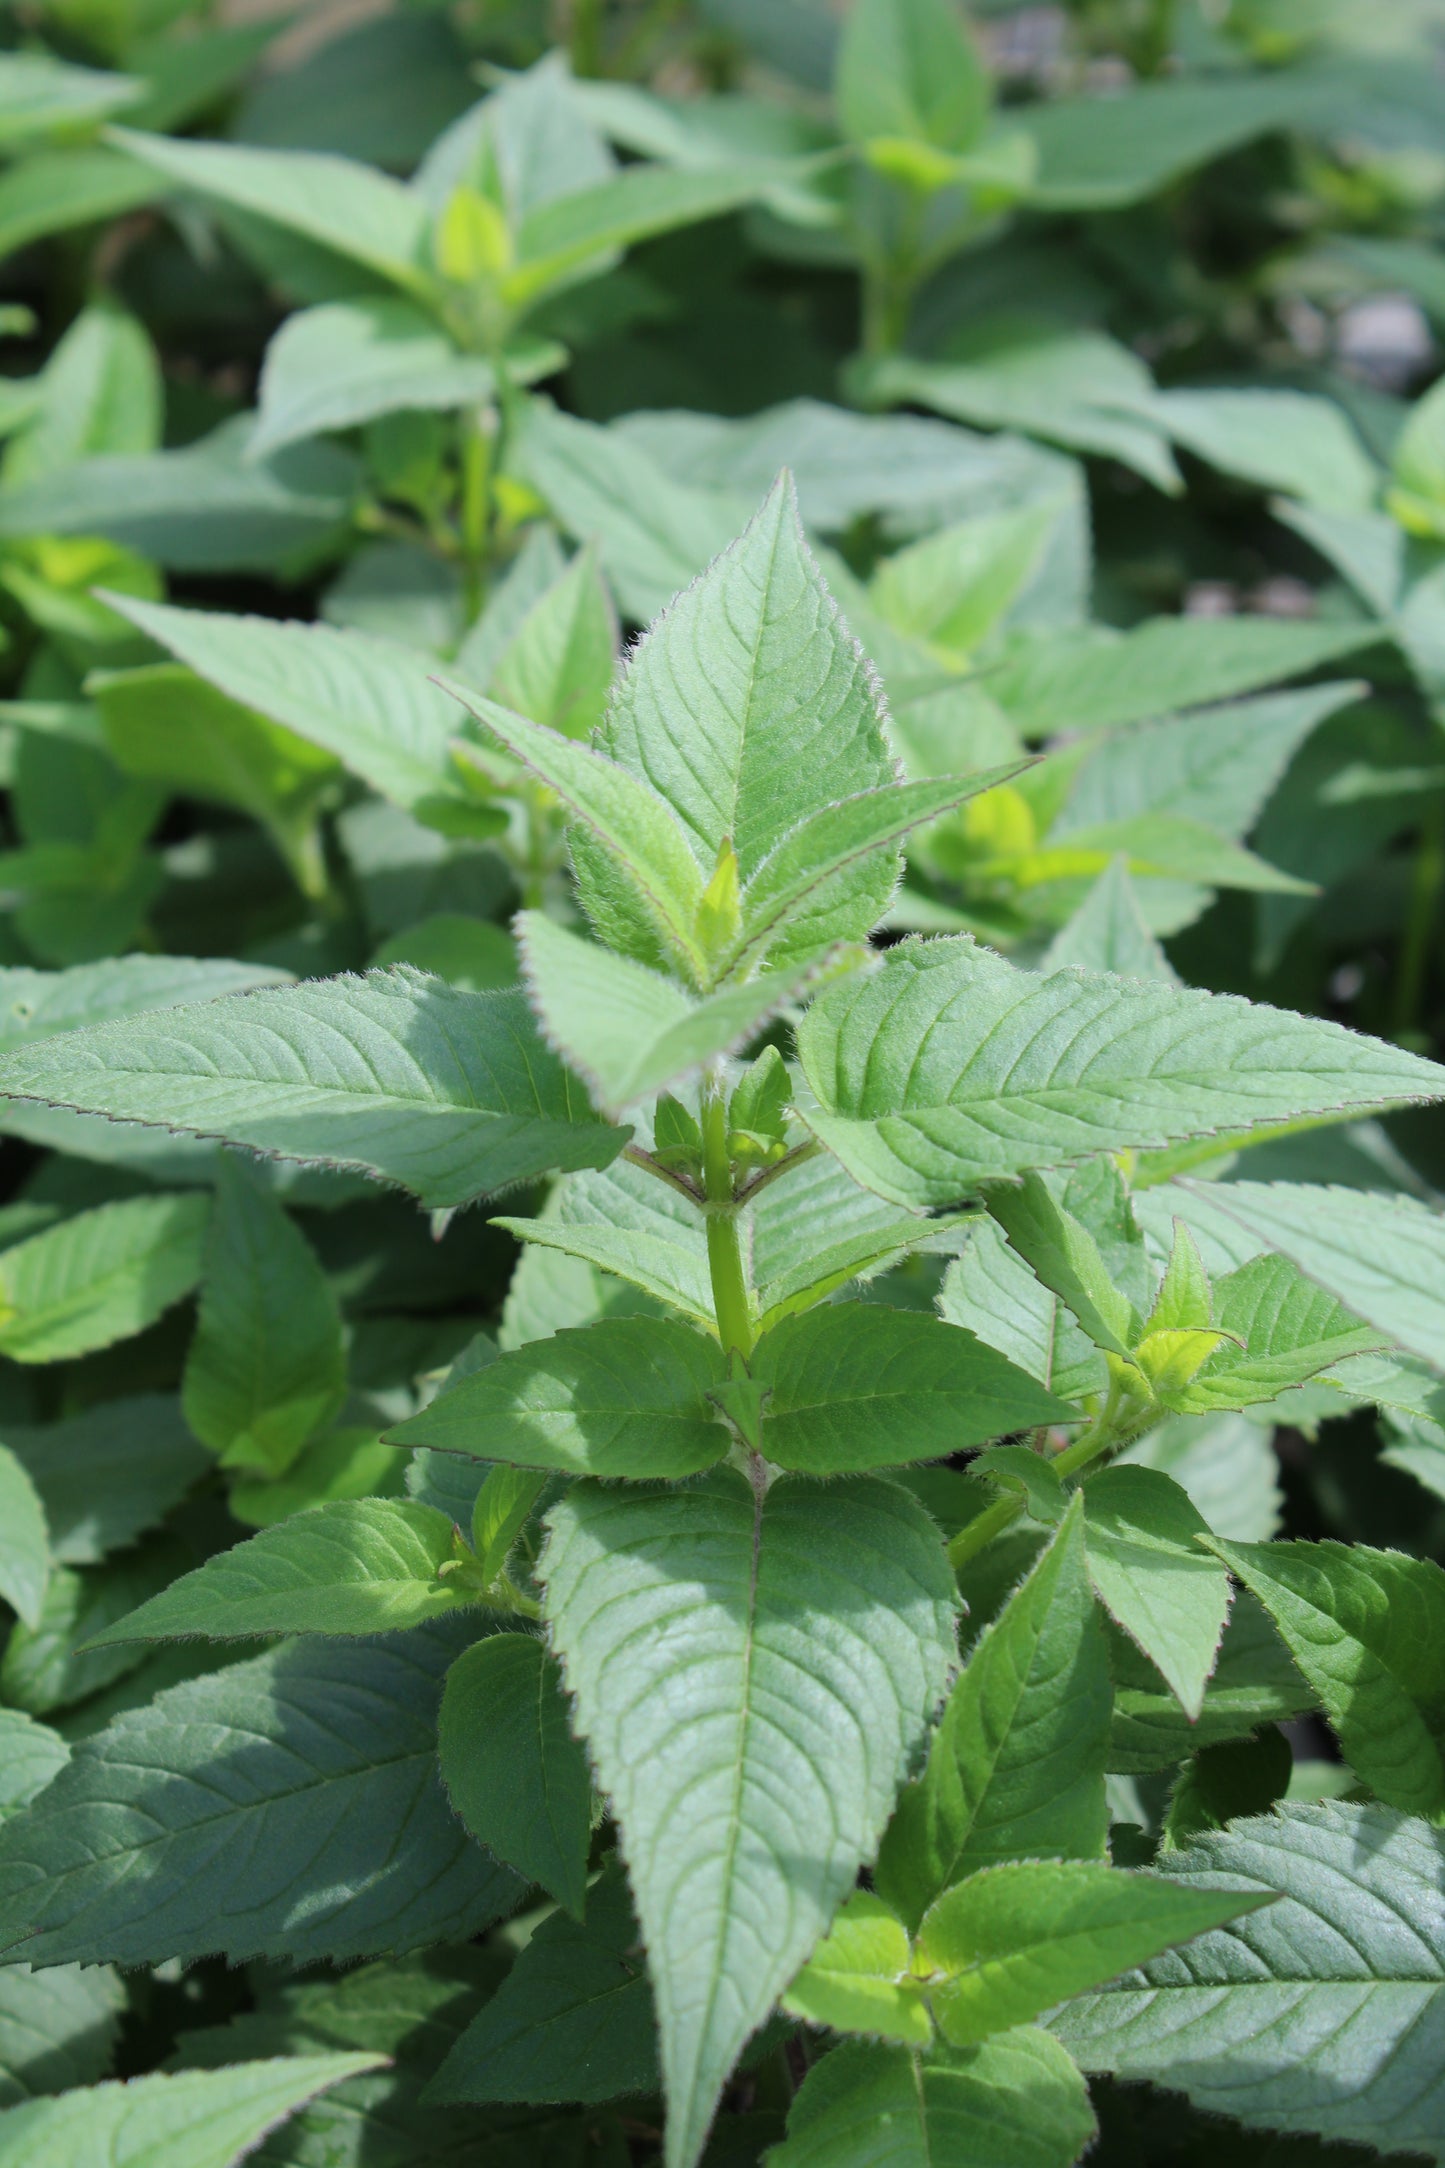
[(42, 96), (1227, 1465), (576, 233), (100, 391), (1010, 1942), (627, 1396), (512, 1769), (38, 1004), (1152, 1576), (351, 210), (24, 1540), (110, 1472), (1321, 2013), (669, 1272), (1093, 681), (557, 665), (990, 1291), (854, 1386), (56, 190), (1285, 1330), (1062, 1253), (355, 1566), (368, 702), (1254, 1682), (99, 1277), (857, 1980), (310, 1771), (1108, 933), (1285, 440), (193, 2118), (1383, 1256), (1014, 2102), (1017, 1764), (627, 1030), (987, 1070), (57, 2028), (266, 1368), (346, 362), (446, 1093), (743, 1834), (952, 587), (33, 1754), (1367, 1629)]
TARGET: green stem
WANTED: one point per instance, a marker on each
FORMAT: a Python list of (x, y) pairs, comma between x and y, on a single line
[(1099, 1439), (1425, 892), (476, 499), (724, 1251), (585, 39)]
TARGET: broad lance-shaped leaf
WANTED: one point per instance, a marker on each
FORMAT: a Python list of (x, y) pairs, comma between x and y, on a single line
[(99, 1277), (628, 1396), (1283, 1330), (352, 1566), (354, 210), (24, 1540), (38, 1004), (644, 843), (1017, 1764), (289, 1806), (1146, 1564), (780, 721), (854, 1386), (204, 2118), (1062, 1252), (1383, 1256), (109, 1473), (859, 1979), (990, 1291), (1009, 1943), (947, 1066), (1323, 2013), (557, 664), (783, 1655), (573, 2019), (57, 2028), (266, 1367), (1254, 1682), (1367, 1629), (1017, 2101), (368, 701), (627, 1030), (512, 1769), (446, 1093)]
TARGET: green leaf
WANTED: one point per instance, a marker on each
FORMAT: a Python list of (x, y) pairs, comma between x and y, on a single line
[(24, 1540), (267, 1366), (557, 666), (653, 534), (1017, 1764), (368, 702), (1014, 2102), (512, 1769), (44, 1669), (349, 1462), (38, 1004), (573, 2020), (908, 68), (446, 1093), (109, 1473), (351, 210), (216, 2115), (42, 96), (729, 1603), (1226, 1463), (57, 2028), (1071, 386), (673, 1274), (1108, 933), (951, 588), (100, 392), (355, 1566), (54, 191), (1014, 1940), (1286, 440), (1223, 1784), (1367, 1629), (1319, 2014), (1286, 1330), (1063, 1254), (628, 1031), (346, 362), (645, 845), (1099, 153), (310, 1771), (1087, 681), (627, 1396), (857, 1980), (1151, 1575), (1383, 1256), (986, 1070), (1254, 1682), (852, 1386), (782, 721), (99, 1277), (990, 1291), (33, 1755), (793, 899), (577, 233), (201, 508)]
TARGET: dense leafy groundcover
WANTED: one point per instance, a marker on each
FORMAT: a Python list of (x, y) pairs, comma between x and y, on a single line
[(722, 1360)]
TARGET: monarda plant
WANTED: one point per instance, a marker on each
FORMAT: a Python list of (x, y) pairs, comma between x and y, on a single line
[(790, 1617)]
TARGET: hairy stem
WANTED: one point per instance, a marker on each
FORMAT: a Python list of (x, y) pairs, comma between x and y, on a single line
[(724, 1250)]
